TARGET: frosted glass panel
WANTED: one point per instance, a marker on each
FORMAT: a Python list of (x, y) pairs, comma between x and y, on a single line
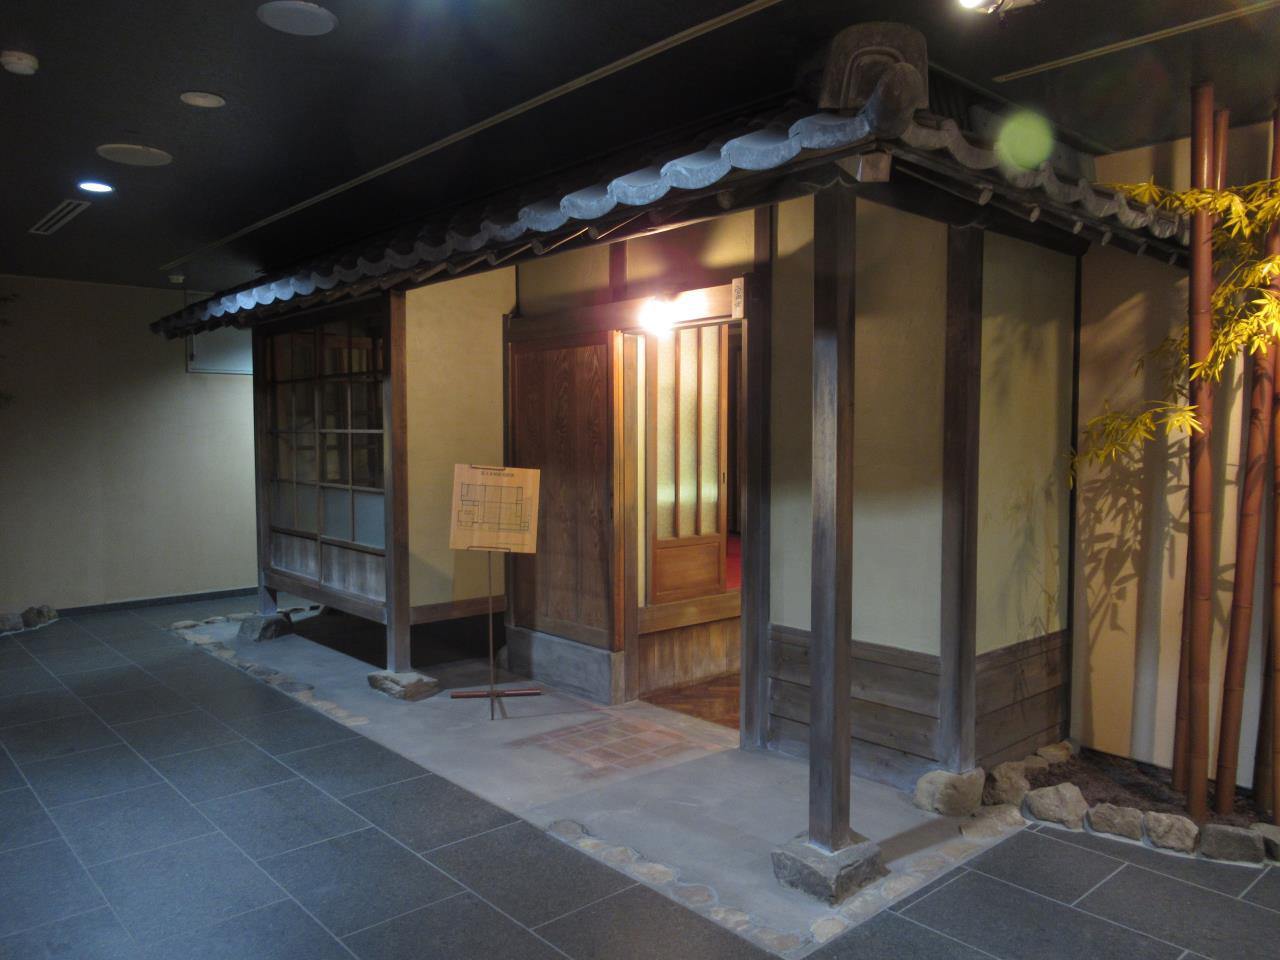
[(370, 523), (306, 519), (687, 447), (282, 504), (665, 466), (337, 513), (709, 435)]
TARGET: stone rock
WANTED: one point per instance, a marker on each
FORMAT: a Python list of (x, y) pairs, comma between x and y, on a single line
[(831, 877), (1061, 803), (1270, 837), (9, 622), (951, 794), (827, 928), (217, 619), (199, 639), (776, 940), (295, 687), (237, 617), (991, 822), (1170, 831), (1059, 752), (1007, 783), (184, 624), (1220, 841), (694, 894), (260, 627), (735, 920), (620, 856), (37, 616), (1119, 821), (1034, 764), (654, 873), (403, 686)]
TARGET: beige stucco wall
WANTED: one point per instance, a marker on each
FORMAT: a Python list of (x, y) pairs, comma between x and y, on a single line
[(1024, 441), (898, 384), (124, 477), (563, 280), (454, 348), (722, 247), (1131, 518)]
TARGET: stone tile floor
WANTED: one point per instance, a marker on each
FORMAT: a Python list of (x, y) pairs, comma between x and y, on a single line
[(609, 744), (156, 803)]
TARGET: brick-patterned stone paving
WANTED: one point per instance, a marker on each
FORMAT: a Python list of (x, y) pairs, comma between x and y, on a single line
[(608, 743)]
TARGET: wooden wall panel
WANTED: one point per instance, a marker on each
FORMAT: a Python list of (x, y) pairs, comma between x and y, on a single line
[(560, 415), (296, 555), (353, 571), (1021, 698), (674, 658)]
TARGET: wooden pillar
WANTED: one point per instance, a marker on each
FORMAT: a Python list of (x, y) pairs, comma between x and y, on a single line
[(395, 470), (956, 748), (756, 438), (262, 458), (832, 570)]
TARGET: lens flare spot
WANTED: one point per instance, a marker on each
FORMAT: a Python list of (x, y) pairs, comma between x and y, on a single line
[(1025, 140)]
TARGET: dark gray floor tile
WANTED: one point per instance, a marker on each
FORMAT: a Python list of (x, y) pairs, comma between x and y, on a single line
[(1214, 925), (41, 884), (97, 657), (428, 812), (230, 768), (245, 697), (159, 659), (110, 622), (927, 889), (351, 766), (124, 823), (460, 928), (95, 935), (271, 820), (181, 887), (281, 931), (47, 739), (1009, 922), (27, 679), (62, 635), (1266, 892), (528, 874), (162, 736), (290, 730), (1062, 871), (887, 936), (46, 705), (355, 881), (120, 679), (1223, 877), (12, 656), (23, 820), (146, 641), (82, 776), (144, 704), (9, 775), (639, 924)]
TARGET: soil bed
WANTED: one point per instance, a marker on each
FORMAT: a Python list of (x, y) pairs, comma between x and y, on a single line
[(1126, 783)]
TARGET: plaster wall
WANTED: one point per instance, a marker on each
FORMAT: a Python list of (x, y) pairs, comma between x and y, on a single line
[(454, 347), (1024, 441), (124, 477), (898, 388), (1131, 516)]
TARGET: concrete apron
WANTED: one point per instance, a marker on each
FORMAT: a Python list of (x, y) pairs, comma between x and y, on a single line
[(697, 825)]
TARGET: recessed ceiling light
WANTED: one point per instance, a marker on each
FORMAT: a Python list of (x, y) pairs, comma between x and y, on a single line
[(134, 154), (15, 61), (297, 17), (95, 186), (198, 98)]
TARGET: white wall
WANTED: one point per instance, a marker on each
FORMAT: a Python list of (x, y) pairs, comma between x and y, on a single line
[(124, 477)]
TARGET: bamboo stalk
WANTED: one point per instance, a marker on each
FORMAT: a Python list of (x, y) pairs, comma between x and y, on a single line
[(1272, 667), (1200, 536)]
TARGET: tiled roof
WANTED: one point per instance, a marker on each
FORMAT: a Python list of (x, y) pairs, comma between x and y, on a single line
[(774, 142)]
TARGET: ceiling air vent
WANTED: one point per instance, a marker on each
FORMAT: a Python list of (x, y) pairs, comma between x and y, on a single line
[(58, 217)]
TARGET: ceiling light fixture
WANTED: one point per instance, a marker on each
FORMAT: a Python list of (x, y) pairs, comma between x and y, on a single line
[(15, 61), (297, 17), (206, 101), (996, 6), (95, 186), (135, 155)]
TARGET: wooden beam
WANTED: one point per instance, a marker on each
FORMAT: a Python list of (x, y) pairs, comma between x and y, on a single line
[(960, 409), (456, 609), (832, 570), (395, 459), (263, 456), (755, 438), (628, 469)]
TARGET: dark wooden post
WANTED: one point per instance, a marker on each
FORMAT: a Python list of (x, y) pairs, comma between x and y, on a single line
[(754, 713), (832, 572), (262, 458), (396, 488), (961, 398)]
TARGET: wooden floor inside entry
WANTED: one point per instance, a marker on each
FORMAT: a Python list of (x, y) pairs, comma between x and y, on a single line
[(714, 700)]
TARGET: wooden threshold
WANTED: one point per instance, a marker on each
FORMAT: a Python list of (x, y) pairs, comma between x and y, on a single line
[(683, 613), (346, 602), (454, 609)]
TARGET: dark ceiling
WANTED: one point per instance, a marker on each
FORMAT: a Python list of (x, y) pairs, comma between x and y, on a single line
[(304, 115)]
